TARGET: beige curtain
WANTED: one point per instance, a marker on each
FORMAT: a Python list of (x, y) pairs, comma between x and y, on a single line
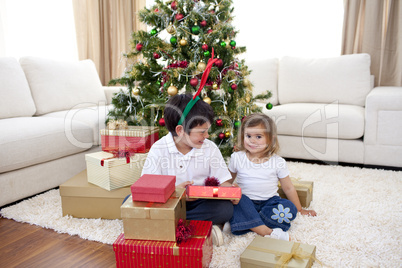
[(104, 29), (375, 27)]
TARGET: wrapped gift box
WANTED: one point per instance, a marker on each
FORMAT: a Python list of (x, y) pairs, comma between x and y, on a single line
[(153, 188), (195, 252), (154, 221), (304, 190), (81, 199), (111, 172), (216, 192), (135, 139), (269, 252)]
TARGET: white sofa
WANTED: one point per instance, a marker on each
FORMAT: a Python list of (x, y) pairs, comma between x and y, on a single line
[(50, 116), (327, 109)]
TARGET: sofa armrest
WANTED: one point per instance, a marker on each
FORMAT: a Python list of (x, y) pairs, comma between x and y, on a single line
[(384, 116), (111, 91)]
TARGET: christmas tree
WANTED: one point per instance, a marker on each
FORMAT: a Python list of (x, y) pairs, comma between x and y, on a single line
[(171, 58)]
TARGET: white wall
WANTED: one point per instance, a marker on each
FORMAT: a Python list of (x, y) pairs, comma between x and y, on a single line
[(42, 28)]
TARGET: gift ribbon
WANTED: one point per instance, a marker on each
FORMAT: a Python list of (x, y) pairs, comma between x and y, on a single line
[(215, 192), (117, 154), (196, 97), (284, 258)]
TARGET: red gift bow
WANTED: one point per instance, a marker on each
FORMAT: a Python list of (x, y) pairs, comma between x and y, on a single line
[(118, 154)]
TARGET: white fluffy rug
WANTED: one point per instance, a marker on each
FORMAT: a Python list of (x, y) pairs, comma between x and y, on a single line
[(359, 222)]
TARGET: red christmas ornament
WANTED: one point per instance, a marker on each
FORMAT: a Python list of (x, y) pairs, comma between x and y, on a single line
[(219, 122), (212, 181), (203, 23), (209, 31), (219, 63), (233, 86), (179, 17), (173, 5), (233, 48), (204, 47), (162, 122), (139, 46), (156, 55), (156, 10), (221, 136), (193, 82)]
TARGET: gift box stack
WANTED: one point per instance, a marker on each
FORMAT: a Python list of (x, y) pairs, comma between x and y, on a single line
[(156, 233), (99, 191)]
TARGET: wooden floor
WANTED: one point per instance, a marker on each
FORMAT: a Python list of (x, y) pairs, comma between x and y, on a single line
[(25, 245)]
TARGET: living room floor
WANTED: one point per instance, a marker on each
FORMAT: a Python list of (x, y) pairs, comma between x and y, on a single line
[(25, 245)]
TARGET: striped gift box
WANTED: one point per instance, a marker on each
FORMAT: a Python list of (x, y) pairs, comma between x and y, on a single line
[(109, 172)]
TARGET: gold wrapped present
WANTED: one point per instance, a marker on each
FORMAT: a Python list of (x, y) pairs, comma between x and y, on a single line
[(269, 252), (304, 190), (153, 221)]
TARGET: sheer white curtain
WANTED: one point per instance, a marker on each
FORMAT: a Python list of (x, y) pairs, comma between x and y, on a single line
[(273, 28), (42, 28)]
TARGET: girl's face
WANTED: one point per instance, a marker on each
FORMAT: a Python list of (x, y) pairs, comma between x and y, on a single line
[(255, 139)]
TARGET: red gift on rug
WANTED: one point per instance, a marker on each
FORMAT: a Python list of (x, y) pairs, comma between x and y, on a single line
[(153, 188), (213, 192), (134, 139), (195, 252)]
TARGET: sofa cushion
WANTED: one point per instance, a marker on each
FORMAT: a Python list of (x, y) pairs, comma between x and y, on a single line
[(16, 99), (338, 121), (26, 141), (58, 86), (345, 79), (94, 117), (264, 76)]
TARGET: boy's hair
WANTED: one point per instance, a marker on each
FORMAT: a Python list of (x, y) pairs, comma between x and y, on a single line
[(200, 113), (268, 125)]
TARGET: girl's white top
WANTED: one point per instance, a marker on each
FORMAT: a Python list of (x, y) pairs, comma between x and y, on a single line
[(258, 181)]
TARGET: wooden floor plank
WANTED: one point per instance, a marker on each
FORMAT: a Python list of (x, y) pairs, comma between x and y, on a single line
[(25, 245)]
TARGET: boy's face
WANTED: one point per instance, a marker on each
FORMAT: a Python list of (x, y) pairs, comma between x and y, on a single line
[(197, 135)]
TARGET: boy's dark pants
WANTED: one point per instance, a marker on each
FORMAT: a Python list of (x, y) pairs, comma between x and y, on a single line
[(217, 211)]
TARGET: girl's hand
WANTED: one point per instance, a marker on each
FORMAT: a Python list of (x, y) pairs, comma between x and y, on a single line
[(308, 212), (235, 202)]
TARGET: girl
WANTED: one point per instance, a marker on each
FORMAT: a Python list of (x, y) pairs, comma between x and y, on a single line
[(258, 170)]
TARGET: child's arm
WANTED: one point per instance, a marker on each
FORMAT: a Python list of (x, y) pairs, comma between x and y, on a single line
[(291, 194), (229, 183)]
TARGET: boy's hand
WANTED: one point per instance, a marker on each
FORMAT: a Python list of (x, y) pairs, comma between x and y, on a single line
[(184, 185), (308, 212), (235, 202)]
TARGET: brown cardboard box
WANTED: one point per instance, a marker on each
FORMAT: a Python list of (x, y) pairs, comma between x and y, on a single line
[(154, 221), (304, 191), (82, 199), (264, 251)]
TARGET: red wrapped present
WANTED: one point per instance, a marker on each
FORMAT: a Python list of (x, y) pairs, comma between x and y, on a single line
[(215, 192), (153, 188), (195, 252), (154, 221), (134, 139)]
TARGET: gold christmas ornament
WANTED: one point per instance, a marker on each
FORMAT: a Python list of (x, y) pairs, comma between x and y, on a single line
[(135, 91), (170, 29), (207, 100), (183, 42), (172, 90), (246, 82), (227, 134), (248, 99), (215, 86), (201, 66)]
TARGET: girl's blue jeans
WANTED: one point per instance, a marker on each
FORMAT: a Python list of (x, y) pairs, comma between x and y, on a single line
[(275, 212)]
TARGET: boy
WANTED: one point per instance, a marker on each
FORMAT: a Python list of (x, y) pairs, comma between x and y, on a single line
[(186, 153)]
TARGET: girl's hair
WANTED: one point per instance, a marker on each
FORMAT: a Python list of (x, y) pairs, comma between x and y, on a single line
[(260, 119)]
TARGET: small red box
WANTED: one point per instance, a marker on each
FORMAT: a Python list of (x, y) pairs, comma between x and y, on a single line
[(195, 252), (135, 139), (153, 188), (213, 192)]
